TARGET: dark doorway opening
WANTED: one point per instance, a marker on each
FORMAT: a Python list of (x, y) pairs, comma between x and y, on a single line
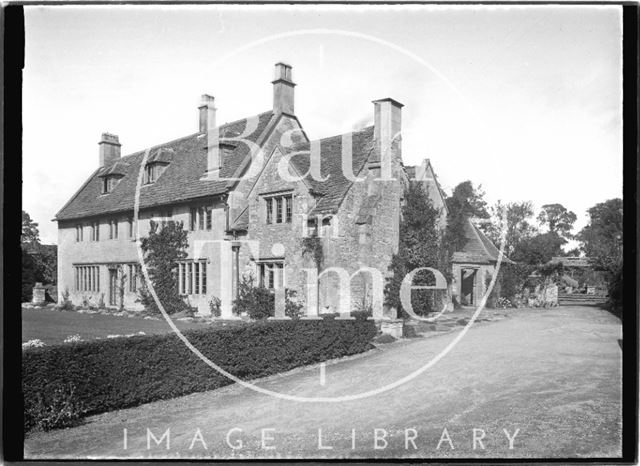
[(467, 289)]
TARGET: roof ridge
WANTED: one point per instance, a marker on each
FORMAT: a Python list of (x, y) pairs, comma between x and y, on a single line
[(156, 146), (361, 130)]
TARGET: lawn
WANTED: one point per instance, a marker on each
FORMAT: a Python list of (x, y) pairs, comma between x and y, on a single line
[(53, 327)]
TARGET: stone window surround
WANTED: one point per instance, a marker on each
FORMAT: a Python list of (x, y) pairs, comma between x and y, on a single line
[(278, 207), (109, 183), (87, 277), (201, 217), (113, 228), (276, 270), (152, 172), (192, 277)]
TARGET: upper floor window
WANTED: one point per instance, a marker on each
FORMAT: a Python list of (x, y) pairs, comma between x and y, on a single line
[(130, 224), (279, 208), (152, 171), (95, 231), (113, 229), (109, 182), (201, 218), (78, 233)]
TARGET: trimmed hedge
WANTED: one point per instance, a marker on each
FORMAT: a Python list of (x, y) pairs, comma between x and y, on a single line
[(120, 373)]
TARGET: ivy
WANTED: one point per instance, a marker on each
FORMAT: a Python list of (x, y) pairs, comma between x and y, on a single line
[(312, 246), (420, 246)]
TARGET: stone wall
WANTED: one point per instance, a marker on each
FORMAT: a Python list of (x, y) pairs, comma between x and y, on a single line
[(107, 253)]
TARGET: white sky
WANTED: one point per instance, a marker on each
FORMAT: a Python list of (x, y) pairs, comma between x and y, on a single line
[(523, 100)]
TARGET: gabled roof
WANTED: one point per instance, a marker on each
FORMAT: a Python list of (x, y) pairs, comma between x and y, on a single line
[(426, 173), (478, 249), (332, 191), (181, 181)]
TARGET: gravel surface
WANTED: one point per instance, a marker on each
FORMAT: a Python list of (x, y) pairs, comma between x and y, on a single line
[(551, 375)]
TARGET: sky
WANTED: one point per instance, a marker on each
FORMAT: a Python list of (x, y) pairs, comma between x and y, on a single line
[(523, 100)]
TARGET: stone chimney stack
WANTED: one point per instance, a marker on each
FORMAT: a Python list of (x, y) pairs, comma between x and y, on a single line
[(387, 121), (207, 112), (109, 149), (283, 86), (208, 126)]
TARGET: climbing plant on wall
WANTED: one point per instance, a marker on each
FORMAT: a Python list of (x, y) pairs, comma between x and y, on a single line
[(420, 246)]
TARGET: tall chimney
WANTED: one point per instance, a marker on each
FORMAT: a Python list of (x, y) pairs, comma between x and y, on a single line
[(109, 149), (206, 107), (387, 121), (208, 126), (283, 89)]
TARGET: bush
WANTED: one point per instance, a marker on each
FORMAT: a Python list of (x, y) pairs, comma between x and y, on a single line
[(66, 304), (384, 338), (293, 307), (57, 406), (164, 247), (120, 373), (259, 302)]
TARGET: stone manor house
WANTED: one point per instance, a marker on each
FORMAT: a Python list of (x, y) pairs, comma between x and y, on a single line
[(248, 192)]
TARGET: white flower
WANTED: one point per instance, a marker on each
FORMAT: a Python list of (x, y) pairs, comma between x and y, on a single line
[(73, 339), (37, 343)]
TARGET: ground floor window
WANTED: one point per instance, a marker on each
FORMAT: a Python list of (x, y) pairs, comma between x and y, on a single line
[(133, 274), (271, 274), (192, 277), (87, 277)]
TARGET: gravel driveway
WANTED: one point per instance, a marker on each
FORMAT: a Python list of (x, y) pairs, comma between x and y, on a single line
[(549, 380)]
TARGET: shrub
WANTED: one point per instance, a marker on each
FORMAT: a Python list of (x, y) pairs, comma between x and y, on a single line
[(57, 406), (66, 304), (164, 248), (215, 306), (259, 302), (119, 373), (293, 307), (384, 338)]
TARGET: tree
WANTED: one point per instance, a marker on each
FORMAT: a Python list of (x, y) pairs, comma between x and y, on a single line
[(39, 261), (601, 240), (30, 234), (466, 201), (163, 248), (558, 219), (539, 249), (420, 246), (517, 218)]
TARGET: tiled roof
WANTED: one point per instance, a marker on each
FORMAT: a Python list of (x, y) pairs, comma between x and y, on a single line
[(179, 182), (478, 249), (332, 191)]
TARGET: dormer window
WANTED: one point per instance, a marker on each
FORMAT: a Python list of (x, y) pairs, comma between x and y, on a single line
[(108, 183), (153, 171), (156, 164), (112, 175)]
